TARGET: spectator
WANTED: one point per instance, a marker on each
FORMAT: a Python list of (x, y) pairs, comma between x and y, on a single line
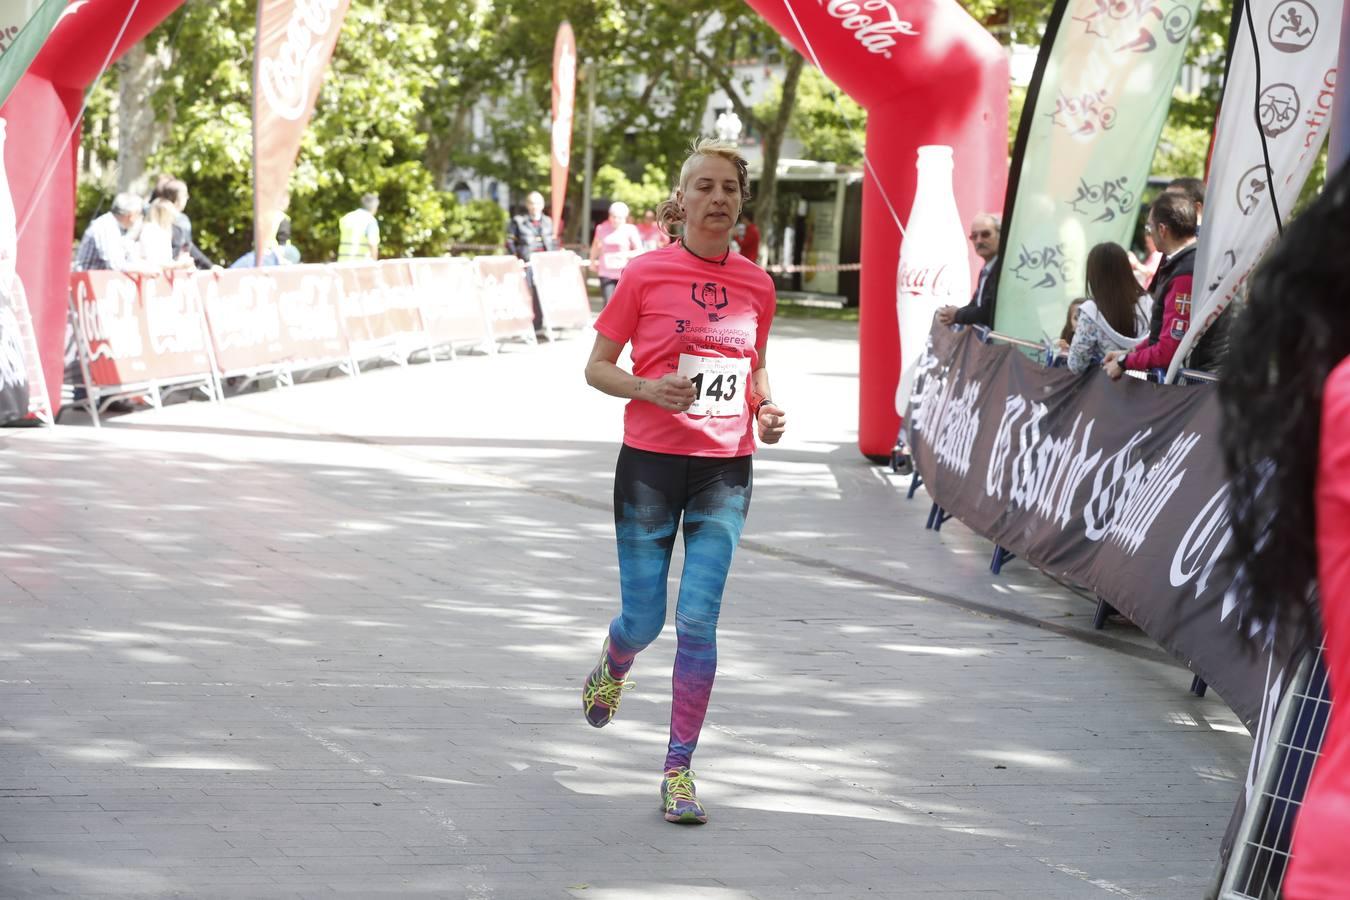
[(984, 234), (290, 254), (1194, 190), (747, 237), (274, 225), (529, 234), (155, 244), (1115, 315), (1172, 222), (616, 242), (176, 192), (1211, 349), (109, 241), (653, 235), (1144, 271), (1286, 438), (532, 232), (1070, 324), (359, 232)]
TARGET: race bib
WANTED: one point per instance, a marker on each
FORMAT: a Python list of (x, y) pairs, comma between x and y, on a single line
[(719, 384)]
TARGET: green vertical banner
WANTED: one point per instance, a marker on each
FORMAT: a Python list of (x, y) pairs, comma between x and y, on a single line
[(1094, 111), (24, 27)]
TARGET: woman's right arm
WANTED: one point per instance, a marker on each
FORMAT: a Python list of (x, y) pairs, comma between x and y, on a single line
[(670, 392)]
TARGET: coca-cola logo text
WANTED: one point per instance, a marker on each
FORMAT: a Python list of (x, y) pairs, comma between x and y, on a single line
[(874, 23), (927, 280), (286, 79)]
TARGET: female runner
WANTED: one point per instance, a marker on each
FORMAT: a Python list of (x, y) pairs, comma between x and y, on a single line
[(697, 317)]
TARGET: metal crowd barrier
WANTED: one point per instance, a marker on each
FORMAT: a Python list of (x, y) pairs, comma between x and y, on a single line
[(1262, 848)]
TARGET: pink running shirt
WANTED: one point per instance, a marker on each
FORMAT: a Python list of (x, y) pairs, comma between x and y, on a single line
[(671, 302), (1321, 867), (616, 245)]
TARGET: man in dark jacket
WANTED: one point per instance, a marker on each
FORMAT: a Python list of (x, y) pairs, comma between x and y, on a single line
[(1172, 220), (1210, 350), (984, 234), (527, 235)]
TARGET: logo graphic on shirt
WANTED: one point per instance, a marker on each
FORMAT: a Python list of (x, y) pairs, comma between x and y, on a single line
[(1184, 305), (705, 295), (1179, 328)]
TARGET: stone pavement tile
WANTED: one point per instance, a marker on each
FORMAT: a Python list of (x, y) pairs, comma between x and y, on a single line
[(288, 635)]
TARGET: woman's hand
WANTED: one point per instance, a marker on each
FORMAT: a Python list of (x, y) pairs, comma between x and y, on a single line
[(671, 392), (1113, 364), (772, 423)]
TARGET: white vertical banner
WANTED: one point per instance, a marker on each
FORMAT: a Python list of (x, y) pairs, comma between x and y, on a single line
[(1291, 106)]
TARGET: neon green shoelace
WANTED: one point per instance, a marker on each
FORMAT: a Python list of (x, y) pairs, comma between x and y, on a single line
[(609, 690), (679, 787)]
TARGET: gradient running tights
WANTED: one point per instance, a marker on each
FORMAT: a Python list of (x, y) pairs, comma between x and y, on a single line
[(652, 493)]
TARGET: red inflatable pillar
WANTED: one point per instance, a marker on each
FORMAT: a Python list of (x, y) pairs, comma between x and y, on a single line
[(42, 114), (927, 73)]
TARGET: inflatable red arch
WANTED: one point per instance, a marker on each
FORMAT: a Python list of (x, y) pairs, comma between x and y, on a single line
[(927, 73), (44, 136)]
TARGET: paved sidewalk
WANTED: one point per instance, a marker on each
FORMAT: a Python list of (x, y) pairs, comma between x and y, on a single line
[(329, 640)]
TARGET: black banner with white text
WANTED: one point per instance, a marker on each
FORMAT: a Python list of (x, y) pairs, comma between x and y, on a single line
[(1118, 486)]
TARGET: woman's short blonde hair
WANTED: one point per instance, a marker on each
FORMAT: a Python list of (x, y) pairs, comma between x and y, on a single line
[(669, 212)]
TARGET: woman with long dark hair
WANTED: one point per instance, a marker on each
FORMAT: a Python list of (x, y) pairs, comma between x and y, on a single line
[(1115, 317), (1286, 437)]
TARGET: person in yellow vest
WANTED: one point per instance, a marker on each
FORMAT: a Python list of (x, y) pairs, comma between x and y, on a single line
[(359, 233)]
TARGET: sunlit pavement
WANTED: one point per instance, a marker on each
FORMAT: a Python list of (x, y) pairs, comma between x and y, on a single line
[(330, 639)]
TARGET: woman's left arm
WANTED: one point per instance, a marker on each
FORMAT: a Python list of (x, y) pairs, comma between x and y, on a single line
[(769, 416)]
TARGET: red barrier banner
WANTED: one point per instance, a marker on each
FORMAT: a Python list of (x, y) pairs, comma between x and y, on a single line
[(447, 293), (562, 289), (241, 313), (506, 297), (378, 310), (140, 330), (307, 305)]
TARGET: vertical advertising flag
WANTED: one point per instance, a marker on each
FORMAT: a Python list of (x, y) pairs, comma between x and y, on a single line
[(295, 41), (24, 26), (1096, 107), (564, 97), (1290, 107)]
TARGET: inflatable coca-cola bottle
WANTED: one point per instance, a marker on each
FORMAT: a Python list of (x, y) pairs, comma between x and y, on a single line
[(934, 261)]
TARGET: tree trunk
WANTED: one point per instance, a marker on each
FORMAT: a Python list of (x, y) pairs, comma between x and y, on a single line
[(441, 147), (767, 201), (139, 132)]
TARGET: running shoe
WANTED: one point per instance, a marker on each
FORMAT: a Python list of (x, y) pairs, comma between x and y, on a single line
[(678, 800), (602, 692)]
